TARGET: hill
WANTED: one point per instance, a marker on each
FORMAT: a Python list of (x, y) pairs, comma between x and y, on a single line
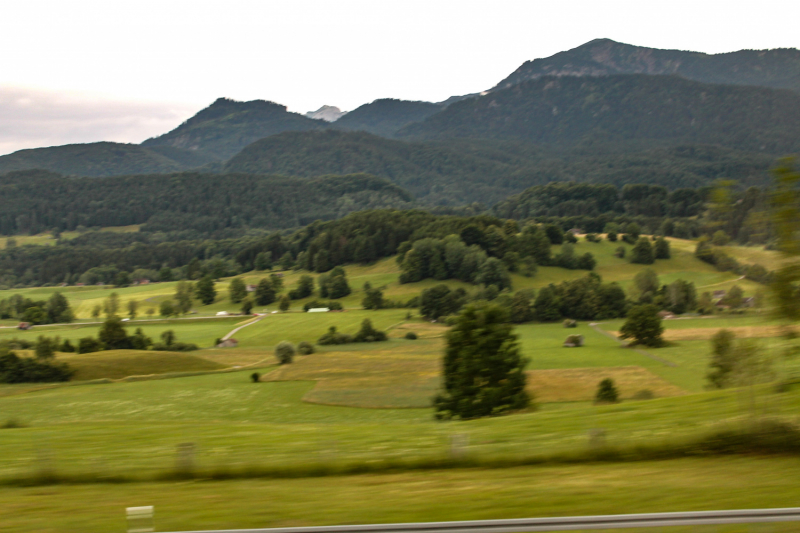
[(101, 159), (384, 117), (34, 201), (117, 364), (637, 110), (779, 68), (227, 126), (436, 174)]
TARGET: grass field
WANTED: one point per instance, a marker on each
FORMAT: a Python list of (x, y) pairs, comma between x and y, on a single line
[(202, 332), (370, 402), (668, 486), (47, 239), (117, 364)]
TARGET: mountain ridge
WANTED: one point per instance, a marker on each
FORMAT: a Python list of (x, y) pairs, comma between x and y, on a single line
[(778, 68)]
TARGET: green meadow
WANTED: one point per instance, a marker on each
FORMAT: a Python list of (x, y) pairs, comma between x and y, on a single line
[(127, 413)]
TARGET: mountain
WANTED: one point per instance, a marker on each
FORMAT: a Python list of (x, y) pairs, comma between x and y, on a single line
[(327, 113), (384, 117), (637, 110), (34, 201), (778, 68), (101, 159), (436, 174), (226, 126), (464, 171)]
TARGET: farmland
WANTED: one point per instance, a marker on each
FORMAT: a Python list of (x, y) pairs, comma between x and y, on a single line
[(370, 403)]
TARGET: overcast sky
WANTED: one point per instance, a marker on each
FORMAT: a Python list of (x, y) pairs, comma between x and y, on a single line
[(84, 71)]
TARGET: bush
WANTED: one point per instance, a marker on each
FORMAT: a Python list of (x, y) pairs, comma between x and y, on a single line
[(15, 369), (305, 348), (284, 352), (369, 334), (255, 376), (89, 345), (644, 394), (334, 337), (620, 252), (175, 347), (606, 392), (612, 236), (569, 323), (411, 336)]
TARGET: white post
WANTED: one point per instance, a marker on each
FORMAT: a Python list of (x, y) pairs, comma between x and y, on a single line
[(140, 519)]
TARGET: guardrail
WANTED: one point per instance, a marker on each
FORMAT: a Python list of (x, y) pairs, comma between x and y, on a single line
[(743, 516)]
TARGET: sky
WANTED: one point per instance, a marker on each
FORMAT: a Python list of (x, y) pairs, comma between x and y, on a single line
[(86, 71)]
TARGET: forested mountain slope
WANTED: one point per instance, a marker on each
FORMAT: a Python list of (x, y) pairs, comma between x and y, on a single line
[(779, 68), (641, 109), (384, 117), (35, 201), (100, 159), (226, 126), (434, 173)]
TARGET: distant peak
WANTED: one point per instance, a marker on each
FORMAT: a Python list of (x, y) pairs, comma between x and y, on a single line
[(328, 113)]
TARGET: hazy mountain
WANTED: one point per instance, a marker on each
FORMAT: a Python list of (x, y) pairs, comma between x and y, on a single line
[(778, 68), (384, 117), (640, 109), (327, 113), (101, 159), (226, 126)]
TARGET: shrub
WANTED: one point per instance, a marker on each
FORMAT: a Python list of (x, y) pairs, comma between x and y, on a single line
[(255, 376), (305, 348), (89, 345), (284, 352), (367, 333), (644, 394), (411, 336), (612, 236), (606, 392), (334, 337), (569, 323), (175, 347), (620, 252)]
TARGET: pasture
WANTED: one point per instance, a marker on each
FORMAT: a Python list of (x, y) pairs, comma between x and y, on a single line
[(368, 403)]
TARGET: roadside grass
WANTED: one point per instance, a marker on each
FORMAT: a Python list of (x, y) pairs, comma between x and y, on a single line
[(116, 364), (580, 384), (397, 374), (464, 494)]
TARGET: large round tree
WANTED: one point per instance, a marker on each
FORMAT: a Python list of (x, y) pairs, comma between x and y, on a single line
[(483, 369)]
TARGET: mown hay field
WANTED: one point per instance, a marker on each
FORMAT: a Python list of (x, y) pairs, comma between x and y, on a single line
[(580, 384), (397, 374)]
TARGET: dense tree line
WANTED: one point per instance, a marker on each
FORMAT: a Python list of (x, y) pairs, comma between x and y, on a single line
[(36, 201)]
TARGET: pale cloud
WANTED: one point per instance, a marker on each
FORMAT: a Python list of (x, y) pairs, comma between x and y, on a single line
[(31, 118)]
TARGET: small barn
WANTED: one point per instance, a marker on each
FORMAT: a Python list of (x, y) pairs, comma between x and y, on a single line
[(228, 343)]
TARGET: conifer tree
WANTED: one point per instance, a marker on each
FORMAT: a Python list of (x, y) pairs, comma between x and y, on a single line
[(483, 369)]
